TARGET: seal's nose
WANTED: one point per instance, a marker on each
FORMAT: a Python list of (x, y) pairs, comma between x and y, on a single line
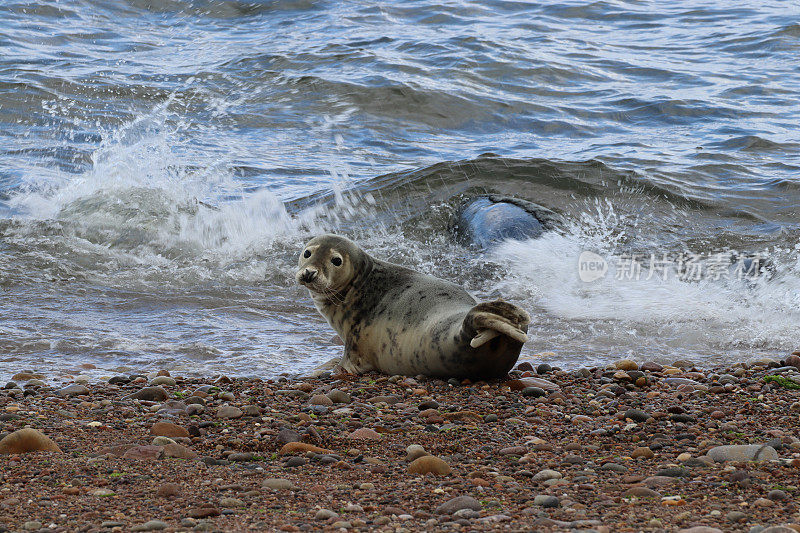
[(308, 276)]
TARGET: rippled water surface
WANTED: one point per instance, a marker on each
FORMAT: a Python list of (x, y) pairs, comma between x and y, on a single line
[(162, 162)]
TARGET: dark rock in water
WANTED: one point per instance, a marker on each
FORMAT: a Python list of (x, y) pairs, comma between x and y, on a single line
[(489, 220)]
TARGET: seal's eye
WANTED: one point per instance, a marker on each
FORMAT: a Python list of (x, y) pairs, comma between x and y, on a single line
[(307, 254), (337, 261)]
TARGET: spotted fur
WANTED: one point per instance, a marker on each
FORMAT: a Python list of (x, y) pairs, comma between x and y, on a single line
[(399, 321)]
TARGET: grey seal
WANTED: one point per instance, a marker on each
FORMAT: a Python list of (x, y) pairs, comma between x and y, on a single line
[(398, 321), (488, 220)]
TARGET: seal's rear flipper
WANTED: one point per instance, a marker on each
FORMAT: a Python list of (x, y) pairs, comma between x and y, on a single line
[(489, 319)]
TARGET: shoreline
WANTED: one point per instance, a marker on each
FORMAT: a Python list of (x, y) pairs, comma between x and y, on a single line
[(626, 447)]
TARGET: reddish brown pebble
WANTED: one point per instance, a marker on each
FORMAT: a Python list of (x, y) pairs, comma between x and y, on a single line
[(204, 512), (365, 434), (179, 452), (429, 464), (644, 452), (144, 453), (295, 447), (168, 490), (27, 440), (168, 429)]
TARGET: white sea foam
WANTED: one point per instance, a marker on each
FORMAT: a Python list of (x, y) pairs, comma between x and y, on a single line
[(656, 317)]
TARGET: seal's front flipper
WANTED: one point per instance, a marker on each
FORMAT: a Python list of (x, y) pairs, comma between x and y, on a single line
[(489, 319), (353, 364)]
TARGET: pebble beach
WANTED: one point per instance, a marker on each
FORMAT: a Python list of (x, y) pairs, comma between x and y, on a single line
[(627, 447)]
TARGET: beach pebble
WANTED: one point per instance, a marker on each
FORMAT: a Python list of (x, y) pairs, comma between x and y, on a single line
[(231, 502), (541, 383), (637, 415), (415, 451), (457, 504), (71, 390), (644, 452), (325, 514), (641, 492), (152, 525), (513, 450), (535, 392), (194, 400), (162, 380), (429, 464), (337, 396), (27, 440), (162, 441), (302, 447), (25, 376), (242, 457), (544, 475), (614, 467), (294, 462), (229, 411), (428, 404), (778, 495), (150, 394), (195, 409), (742, 452), (251, 410), (286, 436), (204, 511), (178, 451), (144, 453), (168, 429), (278, 484), (32, 526), (320, 399), (626, 364), (651, 366), (736, 516), (167, 490), (365, 434), (545, 500)]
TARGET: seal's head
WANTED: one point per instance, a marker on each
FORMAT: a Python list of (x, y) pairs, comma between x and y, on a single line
[(329, 263)]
